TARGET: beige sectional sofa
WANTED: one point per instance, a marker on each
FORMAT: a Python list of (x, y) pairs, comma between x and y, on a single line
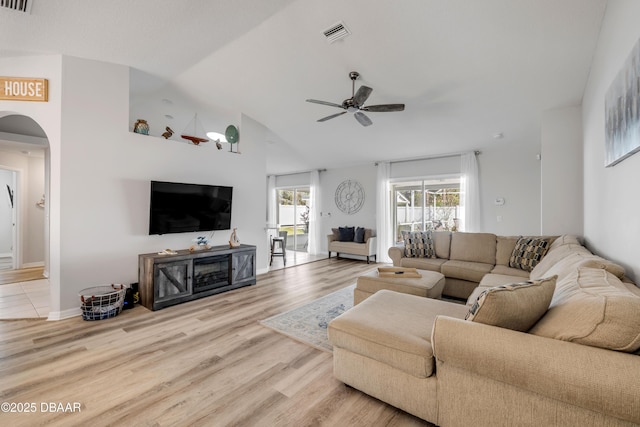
[(559, 349), (464, 259), (366, 249)]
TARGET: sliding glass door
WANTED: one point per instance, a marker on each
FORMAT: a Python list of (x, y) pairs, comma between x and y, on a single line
[(293, 217), (428, 204)]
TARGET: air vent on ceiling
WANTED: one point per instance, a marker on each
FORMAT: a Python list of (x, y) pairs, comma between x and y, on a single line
[(336, 32), (17, 5)]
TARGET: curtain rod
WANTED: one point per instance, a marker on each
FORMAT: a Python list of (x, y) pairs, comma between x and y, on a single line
[(298, 173), (441, 156)]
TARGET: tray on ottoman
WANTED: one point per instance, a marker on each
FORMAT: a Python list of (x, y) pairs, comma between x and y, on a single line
[(422, 283)]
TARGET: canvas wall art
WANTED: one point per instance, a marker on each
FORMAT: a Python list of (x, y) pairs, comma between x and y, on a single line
[(622, 109)]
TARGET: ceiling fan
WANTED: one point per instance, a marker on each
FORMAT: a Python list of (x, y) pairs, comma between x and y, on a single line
[(355, 104)]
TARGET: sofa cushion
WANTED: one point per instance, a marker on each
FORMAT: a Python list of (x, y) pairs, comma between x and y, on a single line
[(516, 306), (475, 247), (528, 252), (393, 328), (504, 248), (565, 239), (359, 235), (555, 255), (566, 258), (441, 243), (433, 264), (465, 270), (418, 244), (346, 234), (509, 271), (593, 307)]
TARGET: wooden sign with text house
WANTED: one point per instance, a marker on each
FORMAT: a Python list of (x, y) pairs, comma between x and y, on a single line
[(24, 89)]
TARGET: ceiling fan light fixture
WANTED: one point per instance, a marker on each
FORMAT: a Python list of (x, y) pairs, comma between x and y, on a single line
[(216, 136)]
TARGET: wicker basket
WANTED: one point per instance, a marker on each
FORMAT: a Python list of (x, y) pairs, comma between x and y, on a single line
[(102, 302)]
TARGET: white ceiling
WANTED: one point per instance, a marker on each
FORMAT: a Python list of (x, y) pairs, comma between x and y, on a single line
[(465, 69)]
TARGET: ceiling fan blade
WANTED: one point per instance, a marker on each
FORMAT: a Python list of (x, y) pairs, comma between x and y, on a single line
[(362, 94), (384, 108), (331, 104), (363, 119), (324, 119)]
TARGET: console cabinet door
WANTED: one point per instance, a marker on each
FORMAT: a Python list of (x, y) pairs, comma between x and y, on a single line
[(243, 266), (172, 280)]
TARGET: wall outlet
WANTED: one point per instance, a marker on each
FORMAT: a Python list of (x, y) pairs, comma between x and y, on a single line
[(499, 218)]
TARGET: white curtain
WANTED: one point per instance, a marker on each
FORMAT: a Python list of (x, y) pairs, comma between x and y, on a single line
[(470, 215), (314, 202), (383, 213), (272, 200)]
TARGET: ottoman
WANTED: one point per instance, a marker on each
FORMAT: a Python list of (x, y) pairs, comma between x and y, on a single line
[(429, 285)]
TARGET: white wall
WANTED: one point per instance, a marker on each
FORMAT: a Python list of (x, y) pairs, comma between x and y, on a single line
[(611, 202), (106, 174), (6, 210), (561, 174), (48, 116), (31, 217), (505, 170), (100, 173), (512, 172), (34, 231), (331, 216)]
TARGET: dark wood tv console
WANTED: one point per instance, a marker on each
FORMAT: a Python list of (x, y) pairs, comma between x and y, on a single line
[(166, 280)]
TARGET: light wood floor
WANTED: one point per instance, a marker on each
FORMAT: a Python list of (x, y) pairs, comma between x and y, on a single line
[(21, 275), (202, 363)]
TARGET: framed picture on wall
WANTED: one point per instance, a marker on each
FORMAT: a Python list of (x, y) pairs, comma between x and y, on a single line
[(622, 111)]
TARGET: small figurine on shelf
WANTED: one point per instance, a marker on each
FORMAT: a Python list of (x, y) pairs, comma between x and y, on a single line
[(168, 133), (202, 243), (141, 127), (233, 240)]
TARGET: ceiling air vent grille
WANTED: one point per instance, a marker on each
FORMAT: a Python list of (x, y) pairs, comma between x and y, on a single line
[(336, 32), (16, 5)]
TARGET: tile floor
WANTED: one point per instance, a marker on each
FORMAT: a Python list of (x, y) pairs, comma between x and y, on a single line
[(24, 300)]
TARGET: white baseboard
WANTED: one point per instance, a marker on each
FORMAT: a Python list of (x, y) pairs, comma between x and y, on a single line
[(65, 314), (262, 271)]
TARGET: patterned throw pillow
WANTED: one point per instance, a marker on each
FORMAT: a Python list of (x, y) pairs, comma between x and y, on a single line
[(528, 253), (418, 244), (516, 306)]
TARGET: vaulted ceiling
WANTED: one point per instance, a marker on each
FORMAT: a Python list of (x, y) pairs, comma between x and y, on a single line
[(465, 69)]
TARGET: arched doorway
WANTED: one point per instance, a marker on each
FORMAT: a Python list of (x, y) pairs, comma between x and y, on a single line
[(24, 211)]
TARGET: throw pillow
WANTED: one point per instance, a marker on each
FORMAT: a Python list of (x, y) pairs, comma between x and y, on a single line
[(336, 233), (418, 244), (516, 306), (359, 236), (346, 234), (528, 253)]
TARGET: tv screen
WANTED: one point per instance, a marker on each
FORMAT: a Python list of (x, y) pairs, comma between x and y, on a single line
[(181, 208)]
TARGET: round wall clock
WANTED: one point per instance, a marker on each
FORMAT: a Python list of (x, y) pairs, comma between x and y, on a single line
[(349, 196)]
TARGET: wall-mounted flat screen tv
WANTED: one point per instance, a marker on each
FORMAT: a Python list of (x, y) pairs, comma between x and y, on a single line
[(181, 208)]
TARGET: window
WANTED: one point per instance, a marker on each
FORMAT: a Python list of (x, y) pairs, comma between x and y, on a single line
[(428, 204)]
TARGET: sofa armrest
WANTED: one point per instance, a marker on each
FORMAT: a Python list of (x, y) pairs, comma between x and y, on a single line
[(396, 253), (371, 244), (596, 379)]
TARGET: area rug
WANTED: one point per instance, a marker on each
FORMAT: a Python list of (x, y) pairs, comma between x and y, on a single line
[(308, 323)]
